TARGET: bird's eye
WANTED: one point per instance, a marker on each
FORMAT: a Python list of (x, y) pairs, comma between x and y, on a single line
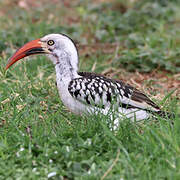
[(50, 42)]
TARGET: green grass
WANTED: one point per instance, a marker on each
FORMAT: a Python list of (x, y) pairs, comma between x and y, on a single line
[(38, 136)]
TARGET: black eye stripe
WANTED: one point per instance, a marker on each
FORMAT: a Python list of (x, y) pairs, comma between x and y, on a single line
[(50, 42)]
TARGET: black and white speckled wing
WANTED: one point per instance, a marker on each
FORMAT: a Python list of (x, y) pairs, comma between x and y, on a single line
[(97, 90)]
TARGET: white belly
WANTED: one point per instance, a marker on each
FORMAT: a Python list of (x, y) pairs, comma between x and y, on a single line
[(71, 103)]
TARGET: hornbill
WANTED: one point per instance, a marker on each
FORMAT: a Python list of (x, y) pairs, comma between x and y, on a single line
[(86, 92)]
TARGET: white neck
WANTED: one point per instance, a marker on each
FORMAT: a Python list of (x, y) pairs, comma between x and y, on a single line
[(64, 66)]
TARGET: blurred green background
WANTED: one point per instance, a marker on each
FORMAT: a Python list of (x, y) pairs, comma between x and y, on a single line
[(147, 32)]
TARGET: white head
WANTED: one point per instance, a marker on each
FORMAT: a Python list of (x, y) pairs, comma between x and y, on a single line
[(60, 46)]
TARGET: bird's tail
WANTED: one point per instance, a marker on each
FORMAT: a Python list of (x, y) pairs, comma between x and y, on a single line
[(164, 114)]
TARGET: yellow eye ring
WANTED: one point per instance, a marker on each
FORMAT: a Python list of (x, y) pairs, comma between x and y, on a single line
[(50, 42)]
